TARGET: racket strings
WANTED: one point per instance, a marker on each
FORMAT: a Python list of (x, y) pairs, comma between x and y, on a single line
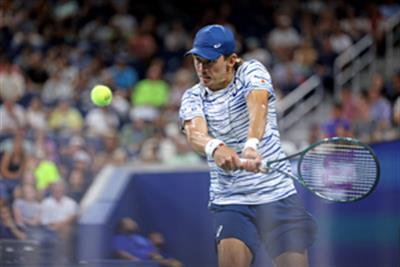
[(339, 171)]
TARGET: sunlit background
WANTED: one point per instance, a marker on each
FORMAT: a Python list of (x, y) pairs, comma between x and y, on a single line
[(335, 66)]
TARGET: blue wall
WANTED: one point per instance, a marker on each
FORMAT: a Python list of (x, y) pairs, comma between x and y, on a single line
[(365, 233)]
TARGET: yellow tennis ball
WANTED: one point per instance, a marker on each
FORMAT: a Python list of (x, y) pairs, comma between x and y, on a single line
[(101, 95)]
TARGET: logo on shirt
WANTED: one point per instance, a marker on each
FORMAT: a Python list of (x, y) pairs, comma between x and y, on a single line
[(219, 230), (258, 81)]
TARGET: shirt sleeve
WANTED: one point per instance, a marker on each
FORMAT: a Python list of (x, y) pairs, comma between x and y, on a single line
[(191, 106), (256, 77)]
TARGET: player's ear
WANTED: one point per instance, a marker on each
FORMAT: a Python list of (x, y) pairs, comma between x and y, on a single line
[(232, 59)]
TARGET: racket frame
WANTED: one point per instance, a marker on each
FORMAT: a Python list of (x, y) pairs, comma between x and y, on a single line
[(267, 166)]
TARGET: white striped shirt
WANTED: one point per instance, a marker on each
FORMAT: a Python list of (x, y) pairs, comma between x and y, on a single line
[(228, 120)]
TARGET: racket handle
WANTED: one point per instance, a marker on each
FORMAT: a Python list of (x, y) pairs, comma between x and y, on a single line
[(262, 167)]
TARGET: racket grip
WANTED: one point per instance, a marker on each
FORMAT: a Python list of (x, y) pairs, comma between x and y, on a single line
[(262, 167)]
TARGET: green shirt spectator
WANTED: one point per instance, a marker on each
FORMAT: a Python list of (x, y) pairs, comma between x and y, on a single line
[(153, 93), (46, 173)]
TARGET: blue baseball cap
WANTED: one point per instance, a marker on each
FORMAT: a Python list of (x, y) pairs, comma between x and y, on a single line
[(213, 41)]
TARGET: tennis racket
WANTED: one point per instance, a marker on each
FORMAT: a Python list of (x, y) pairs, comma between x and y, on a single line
[(336, 169)]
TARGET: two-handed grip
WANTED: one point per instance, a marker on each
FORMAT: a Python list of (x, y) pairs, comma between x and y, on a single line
[(262, 167)]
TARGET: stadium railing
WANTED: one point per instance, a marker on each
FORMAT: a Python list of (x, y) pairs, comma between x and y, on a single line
[(392, 29)]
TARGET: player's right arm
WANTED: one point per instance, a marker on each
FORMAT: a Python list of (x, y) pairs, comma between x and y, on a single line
[(197, 136)]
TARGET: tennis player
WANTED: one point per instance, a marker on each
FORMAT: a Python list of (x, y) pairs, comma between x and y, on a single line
[(230, 114)]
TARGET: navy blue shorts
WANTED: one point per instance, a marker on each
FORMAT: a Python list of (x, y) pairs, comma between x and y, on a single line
[(282, 226)]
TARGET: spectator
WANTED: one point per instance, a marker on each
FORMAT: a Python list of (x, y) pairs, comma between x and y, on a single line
[(142, 44), (134, 134), (337, 125), (173, 148), (13, 117), (110, 143), (355, 26), (29, 178), (392, 91), (149, 150), (58, 215), (98, 30), (182, 79), (110, 154), (36, 116), (101, 122), (284, 37), (314, 134), (46, 172), (124, 23), (351, 109), (124, 76), (130, 245), (287, 76), (340, 41), (362, 124), (377, 26), (326, 21), (58, 211), (158, 241), (8, 142), (82, 162), (27, 208), (64, 10), (12, 82), (45, 145), (121, 105), (56, 88), (78, 184), (150, 94), (8, 228), (325, 63), (35, 70), (65, 118), (255, 51), (76, 148), (380, 113), (13, 162), (176, 39), (306, 56)]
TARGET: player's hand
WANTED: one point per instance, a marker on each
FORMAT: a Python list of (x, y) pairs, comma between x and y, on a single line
[(253, 162), (227, 158)]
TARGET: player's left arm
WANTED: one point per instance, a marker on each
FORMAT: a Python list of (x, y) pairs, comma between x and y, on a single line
[(257, 106)]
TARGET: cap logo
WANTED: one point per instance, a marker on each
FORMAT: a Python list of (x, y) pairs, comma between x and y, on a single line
[(218, 45)]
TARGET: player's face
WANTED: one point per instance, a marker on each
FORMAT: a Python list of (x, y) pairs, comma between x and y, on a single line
[(215, 74)]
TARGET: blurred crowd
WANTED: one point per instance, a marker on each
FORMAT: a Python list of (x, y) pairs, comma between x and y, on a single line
[(53, 141), (371, 116)]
